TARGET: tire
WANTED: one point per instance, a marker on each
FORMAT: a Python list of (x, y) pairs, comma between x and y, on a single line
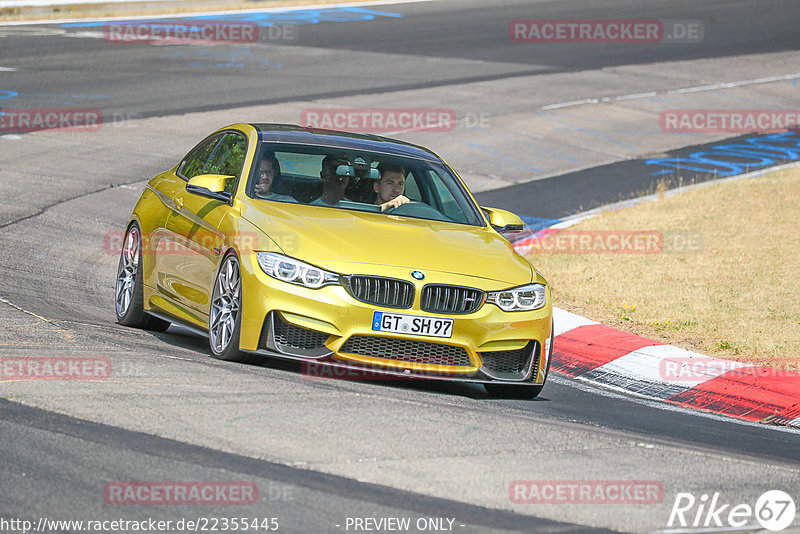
[(224, 315), (129, 289), (515, 391)]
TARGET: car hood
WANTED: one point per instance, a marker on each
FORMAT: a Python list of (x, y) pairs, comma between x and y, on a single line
[(333, 238)]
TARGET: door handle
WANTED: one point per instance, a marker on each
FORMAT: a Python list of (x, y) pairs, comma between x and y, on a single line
[(178, 202)]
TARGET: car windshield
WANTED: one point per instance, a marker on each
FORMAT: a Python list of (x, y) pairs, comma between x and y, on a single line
[(361, 181)]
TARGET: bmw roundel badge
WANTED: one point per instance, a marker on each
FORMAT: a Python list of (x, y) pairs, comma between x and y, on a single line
[(417, 275)]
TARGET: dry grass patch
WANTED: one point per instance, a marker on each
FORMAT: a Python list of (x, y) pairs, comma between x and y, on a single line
[(726, 283)]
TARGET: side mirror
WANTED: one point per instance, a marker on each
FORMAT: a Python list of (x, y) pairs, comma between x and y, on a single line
[(210, 185), (503, 221)]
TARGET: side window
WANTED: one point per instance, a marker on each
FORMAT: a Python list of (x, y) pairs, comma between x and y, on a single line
[(299, 175), (193, 163), (228, 158), (412, 188), (447, 203)]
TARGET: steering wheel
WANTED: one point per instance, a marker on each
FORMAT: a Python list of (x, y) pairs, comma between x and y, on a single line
[(417, 209)]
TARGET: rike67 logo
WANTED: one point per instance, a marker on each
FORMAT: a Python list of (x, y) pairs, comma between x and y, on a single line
[(774, 510)]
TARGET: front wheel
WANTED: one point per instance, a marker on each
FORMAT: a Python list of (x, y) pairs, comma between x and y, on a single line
[(224, 319), (129, 291)]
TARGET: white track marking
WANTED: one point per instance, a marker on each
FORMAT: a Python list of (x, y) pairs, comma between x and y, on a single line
[(565, 321), (655, 364), (701, 88)]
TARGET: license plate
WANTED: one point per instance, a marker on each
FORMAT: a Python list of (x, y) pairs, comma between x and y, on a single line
[(412, 324)]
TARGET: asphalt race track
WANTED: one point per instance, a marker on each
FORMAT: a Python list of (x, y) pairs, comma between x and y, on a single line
[(547, 130)]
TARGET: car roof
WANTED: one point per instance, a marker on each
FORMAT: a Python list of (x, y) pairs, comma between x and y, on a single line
[(300, 135)]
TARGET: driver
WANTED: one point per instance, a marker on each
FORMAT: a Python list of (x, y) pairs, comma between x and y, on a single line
[(390, 186)]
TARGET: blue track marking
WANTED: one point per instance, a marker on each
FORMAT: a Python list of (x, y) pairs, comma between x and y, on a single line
[(726, 159), (46, 98), (531, 225), (537, 223), (267, 19), (557, 196)]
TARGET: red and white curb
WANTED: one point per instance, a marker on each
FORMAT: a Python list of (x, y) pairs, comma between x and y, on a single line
[(603, 355)]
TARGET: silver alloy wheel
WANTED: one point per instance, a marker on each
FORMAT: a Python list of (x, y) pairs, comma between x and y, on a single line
[(128, 269), (225, 304)]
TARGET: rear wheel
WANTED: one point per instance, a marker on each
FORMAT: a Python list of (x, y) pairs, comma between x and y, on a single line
[(224, 319), (129, 294)]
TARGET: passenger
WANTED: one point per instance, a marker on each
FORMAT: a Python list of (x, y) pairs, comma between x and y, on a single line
[(333, 185), (390, 187), (269, 176)]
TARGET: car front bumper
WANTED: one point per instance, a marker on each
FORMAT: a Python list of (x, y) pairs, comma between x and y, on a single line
[(331, 330)]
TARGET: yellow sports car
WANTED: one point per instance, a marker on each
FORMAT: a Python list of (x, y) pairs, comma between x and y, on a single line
[(341, 250)]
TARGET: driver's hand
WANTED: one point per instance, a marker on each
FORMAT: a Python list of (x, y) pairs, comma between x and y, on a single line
[(396, 202)]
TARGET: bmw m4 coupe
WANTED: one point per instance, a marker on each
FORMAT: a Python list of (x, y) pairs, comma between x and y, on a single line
[(345, 250)]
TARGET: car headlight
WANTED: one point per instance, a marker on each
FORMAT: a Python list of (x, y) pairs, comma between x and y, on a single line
[(523, 298), (295, 271)]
